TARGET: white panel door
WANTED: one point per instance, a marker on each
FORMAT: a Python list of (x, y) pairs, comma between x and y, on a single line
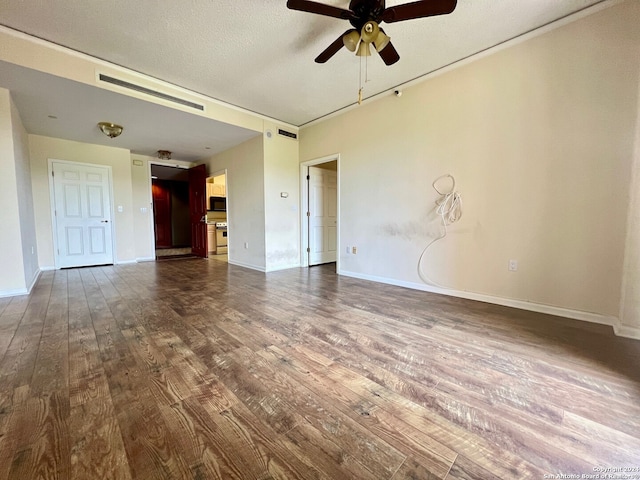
[(82, 215), (323, 211)]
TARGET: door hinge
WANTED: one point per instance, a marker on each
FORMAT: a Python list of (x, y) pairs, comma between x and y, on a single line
[(308, 177), (53, 174), (308, 250), (308, 214)]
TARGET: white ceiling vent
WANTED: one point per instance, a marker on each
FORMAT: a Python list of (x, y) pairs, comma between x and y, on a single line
[(284, 133), (149, 91)]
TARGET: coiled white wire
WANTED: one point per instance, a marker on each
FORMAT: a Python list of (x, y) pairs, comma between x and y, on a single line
[(449, 209)]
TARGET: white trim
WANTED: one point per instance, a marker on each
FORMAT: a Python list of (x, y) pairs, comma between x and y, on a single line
[(507, 302), (52, 206), (627, 331), (125, 262), (282, 267), (35, 279), (13, 293), (22, 291), (472, 58), (247, 265), (47, 268), (145, 259), (304, 196)]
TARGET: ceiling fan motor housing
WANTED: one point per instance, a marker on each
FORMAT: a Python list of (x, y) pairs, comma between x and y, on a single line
[(366, 10)]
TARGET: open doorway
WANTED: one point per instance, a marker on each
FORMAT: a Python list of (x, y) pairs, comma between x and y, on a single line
[(218, 239), (320, 212), (171, 216)]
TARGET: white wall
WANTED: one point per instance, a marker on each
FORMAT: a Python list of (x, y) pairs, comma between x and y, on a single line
[(245, 201), (25, 198), (282, 217), (44, 148), (539, 137), (12, 273)]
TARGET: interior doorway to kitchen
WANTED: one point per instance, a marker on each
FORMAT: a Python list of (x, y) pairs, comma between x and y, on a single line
[(217, 216)]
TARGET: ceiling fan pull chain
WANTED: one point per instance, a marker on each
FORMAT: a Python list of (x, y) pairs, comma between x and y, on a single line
[(360, 83), (366, 69)]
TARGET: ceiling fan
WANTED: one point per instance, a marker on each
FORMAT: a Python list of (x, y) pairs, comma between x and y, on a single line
[(365, 16)]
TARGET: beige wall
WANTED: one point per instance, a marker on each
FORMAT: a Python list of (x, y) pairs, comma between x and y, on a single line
[(44, 148), (25, 198), (282, 217), (630, 302), (142, 208), (539, 137), (245, 201), (12, 273)]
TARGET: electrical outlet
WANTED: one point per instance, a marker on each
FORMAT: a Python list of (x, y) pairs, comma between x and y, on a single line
[(246, 245), (513, 265), (354, 250)]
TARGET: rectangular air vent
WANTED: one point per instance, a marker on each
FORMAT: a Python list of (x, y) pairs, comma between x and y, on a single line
[(148, 91), (284, 133)]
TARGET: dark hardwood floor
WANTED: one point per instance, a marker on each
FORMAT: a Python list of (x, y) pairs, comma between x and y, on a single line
[(196, 369)]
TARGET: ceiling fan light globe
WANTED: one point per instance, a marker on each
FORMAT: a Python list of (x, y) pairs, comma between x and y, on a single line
[(363, 50), (351, 40), (381, 41)]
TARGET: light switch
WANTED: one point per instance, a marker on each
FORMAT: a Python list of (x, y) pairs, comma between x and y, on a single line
[(120, 209)]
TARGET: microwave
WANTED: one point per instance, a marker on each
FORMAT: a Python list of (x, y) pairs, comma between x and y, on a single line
[(217, 204)]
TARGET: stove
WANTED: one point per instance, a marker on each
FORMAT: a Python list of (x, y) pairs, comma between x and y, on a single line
[(221, 238)]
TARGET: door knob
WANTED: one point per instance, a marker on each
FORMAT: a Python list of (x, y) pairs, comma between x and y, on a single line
[(104, 221)]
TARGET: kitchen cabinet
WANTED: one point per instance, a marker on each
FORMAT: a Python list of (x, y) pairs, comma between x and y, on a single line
[(216, 190), (211, 238)]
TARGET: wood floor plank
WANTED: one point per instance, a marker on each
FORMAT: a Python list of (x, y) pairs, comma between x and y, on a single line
[(97, 449), (42, 448)]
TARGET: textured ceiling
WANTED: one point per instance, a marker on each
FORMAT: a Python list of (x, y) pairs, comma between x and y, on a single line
[(259, 55)]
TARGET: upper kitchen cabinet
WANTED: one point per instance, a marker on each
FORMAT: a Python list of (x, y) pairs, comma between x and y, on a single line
[(217, 186)]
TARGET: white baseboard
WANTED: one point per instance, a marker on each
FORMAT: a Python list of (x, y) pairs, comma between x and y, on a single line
[(48, 268), (282, 267), (627, 331), (34, 280), (145, 259), (247, 265), (13, 293), (22, 291), (508, 302), (126, 262)]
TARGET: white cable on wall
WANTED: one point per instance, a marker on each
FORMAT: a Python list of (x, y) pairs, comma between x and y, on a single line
[(449, 209)]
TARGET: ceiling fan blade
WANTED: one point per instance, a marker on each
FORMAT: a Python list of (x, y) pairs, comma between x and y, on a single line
[(332, 49), (424, 8), (320, 9), (389, 54)]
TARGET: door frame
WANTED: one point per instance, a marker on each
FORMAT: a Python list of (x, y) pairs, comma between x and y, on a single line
[(225, 172), (152, 226), (52, 207), (304, 207)]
